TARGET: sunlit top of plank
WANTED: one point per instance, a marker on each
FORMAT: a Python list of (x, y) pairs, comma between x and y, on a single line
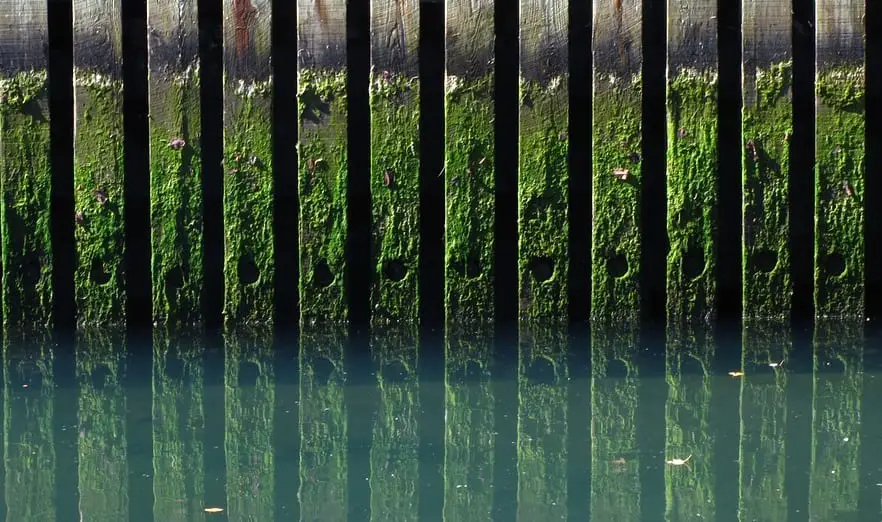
[(470, 38), (692, 34), (172, 35), (617, 36), (321, 33), (543, 39), (247, 25), (766, 26), (840, 30), (395, 35), (23, 35)]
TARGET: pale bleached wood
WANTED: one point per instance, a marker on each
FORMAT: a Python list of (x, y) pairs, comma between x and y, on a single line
[(469, 37), (321, 33), (24, 36)]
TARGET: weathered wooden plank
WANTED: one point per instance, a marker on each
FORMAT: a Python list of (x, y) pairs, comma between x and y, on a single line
[(322, 149), (176, 210), (543, 173), (767, 124), (840, 122), (617, 154), (692, 183), (25, 170), (99, 177), (249, 273), (395, 161), (469, 156)]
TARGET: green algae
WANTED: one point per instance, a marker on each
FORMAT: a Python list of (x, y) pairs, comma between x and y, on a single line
[(543, 184), (692, 191), (176, 206), (839, 192), (323, 181), (26, 184), (617, 174), (249, 272), (395, 198), (469, 190), (99, 180), (767, 125)]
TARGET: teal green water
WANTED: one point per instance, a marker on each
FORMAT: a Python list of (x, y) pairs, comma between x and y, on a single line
[(763, 424)]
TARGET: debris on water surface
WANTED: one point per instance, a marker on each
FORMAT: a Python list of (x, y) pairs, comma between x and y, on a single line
[(736, 373), (80, 217), (849, 190), (682, 132), (751, 149), (213, 510), (100, 196), (177, 144), (622, 174), (388, 177)]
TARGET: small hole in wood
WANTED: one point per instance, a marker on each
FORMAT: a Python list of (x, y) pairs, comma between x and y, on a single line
[(617, 265), (764, 261), (321, 274), (542, 268), (834, 264), (97, 274), (394, 270), (247, 270)]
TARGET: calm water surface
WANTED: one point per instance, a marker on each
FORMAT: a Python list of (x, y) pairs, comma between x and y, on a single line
[(609, 426)]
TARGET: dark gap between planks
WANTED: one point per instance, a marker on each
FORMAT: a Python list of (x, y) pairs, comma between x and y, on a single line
[(873, 165)]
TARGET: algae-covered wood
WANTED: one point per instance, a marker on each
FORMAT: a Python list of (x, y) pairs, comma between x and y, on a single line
[(767, 125), (469, 158), (617, 158), (543, 173), (395, 161), (323, 160), (692, 184), (25, 169), (99, 174), (840, 122), (249, 273), (175, 160)]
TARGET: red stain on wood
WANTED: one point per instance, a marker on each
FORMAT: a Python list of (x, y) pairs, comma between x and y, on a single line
[(322, 10), (244, 13)]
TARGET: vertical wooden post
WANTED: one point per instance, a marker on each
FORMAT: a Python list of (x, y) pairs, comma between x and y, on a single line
[(25, 170), (767, 124), (839, 158), (323, 158), (395, 161), (617, 158), (543, 173), (175, 160), (249, 273), (99, 177), (692, 159), (469, 157)]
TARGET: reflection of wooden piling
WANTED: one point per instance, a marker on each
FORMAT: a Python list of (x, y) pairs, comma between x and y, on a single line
[(839, 158), (543, 177), (469, 157), (175, 160), (692, 158), (617, 158), (395, 160), (323, 176), (99, 175), (25, 171), (767, 126)]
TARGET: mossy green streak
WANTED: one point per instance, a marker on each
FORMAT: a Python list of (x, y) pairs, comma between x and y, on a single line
[(249, 272), (25, 181), (766, 128), (839, 192), (395, 198), (617, 174), (692, 195), (176, 203), (543, 180), (323, 181), (469, 178), (99, 180)]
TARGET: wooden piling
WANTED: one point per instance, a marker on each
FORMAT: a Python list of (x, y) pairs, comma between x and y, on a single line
[(617, 148), (839, 158), (25, 170), (692, 183), (395, 161), (99, 174), (176, 210), (249, 273), (469, 156), (543, 173), (322, 149), (767, 125)]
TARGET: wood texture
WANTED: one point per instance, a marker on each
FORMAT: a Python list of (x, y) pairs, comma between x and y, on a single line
[(767, 125), (469, 157), (839, 158), (543, 174), (692, 183), (99, 176), (395, 161), (175, 160), (249, 273), (617, 142), (323, 159), (25, 170)]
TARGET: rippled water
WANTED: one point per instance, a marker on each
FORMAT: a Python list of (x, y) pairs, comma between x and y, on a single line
[(763, 424)]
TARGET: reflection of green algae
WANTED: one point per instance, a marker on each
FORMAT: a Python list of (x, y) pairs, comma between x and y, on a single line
[(767, 125), (839, 192)]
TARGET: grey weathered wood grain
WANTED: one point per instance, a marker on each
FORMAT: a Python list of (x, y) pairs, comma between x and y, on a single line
[(321, 33), (692, 33), (97, 36), (470, 37), (395, 36), (24, 35)]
